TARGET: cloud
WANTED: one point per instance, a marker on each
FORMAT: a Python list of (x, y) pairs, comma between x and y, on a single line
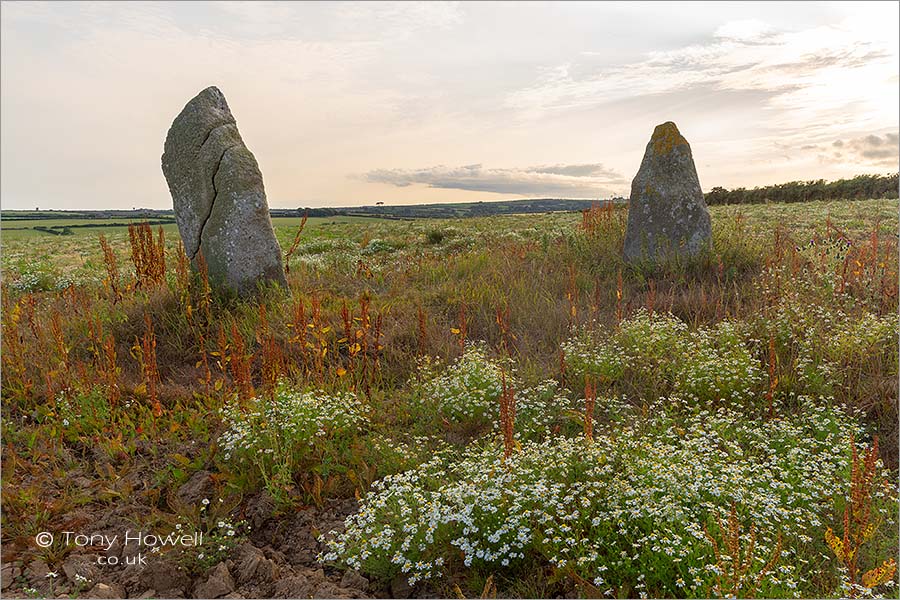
[(880, 150), (816, 79), (571, 181), (872, 150), (586, 170), (745, 30)]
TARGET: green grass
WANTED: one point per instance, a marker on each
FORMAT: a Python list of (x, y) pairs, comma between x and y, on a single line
[(745, 368), (15, 229)]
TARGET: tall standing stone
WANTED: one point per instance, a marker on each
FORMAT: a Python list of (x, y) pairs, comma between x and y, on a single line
[(667, 216), (218, 196)]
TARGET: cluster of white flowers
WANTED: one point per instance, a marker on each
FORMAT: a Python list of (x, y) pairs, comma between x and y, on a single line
[(709, 363), (539, 408), (468, 389), (27, 281), (634, 502), (826, 339), (376, 246), (220, 535), (719, 366), (395, 455), (290, 421)]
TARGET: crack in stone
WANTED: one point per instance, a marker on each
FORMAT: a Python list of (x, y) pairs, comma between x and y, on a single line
[(215, 195), (210, 132)]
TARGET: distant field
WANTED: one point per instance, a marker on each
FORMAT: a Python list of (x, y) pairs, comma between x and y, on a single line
[(15, 229), (12, 224), (346, 238)]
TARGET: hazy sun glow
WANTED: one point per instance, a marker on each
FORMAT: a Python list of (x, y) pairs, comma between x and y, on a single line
[(357, 103)]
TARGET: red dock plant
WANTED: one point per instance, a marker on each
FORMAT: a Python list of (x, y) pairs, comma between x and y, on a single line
[(858, 525), (590, 401), (112, 269), (507, 416), (148, 255)]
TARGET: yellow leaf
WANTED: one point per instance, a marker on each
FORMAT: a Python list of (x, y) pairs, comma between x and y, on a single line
[(341, 371), (881, 574), (454, 330), (835, 543)]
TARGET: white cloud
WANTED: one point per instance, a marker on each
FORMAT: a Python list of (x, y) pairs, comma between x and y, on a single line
[(321, 90), (568, 181), (881, 150), (744, 30), (821, 81)]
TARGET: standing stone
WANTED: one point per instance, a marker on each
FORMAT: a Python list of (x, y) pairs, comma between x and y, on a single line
[(218, 196), (667, 215)]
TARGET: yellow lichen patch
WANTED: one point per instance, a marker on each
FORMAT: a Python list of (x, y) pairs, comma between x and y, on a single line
[(666, 137)]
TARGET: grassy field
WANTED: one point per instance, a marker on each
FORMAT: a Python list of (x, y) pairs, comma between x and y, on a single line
[(478, 406), (17, 229)]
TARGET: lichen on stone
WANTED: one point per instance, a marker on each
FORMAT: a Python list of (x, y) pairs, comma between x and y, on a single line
[(667, 214), (666, 137)]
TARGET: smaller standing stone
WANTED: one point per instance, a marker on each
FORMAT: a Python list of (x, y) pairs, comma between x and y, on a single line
[(667, 215)]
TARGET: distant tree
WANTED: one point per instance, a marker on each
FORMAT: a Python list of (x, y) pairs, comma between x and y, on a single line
[(858, 188)]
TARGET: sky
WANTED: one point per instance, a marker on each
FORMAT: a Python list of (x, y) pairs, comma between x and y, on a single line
[(347, 104)]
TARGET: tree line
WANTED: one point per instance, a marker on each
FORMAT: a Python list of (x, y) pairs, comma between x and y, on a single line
[(861, 187)]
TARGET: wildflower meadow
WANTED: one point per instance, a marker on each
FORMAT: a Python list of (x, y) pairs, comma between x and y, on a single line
[(491, 406)]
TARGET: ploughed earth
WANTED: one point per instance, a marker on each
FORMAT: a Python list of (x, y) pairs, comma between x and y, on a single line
[(277, 560)]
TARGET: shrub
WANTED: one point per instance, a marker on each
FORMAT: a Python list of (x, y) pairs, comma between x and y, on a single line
[(541, 408), (627, 513), (88, 413), (377, 246), (827, 346), (661, 354), (468, 390), (720, 365), (293, 433), (436, 236), (35, 277), (604, 359), (467, 393)]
